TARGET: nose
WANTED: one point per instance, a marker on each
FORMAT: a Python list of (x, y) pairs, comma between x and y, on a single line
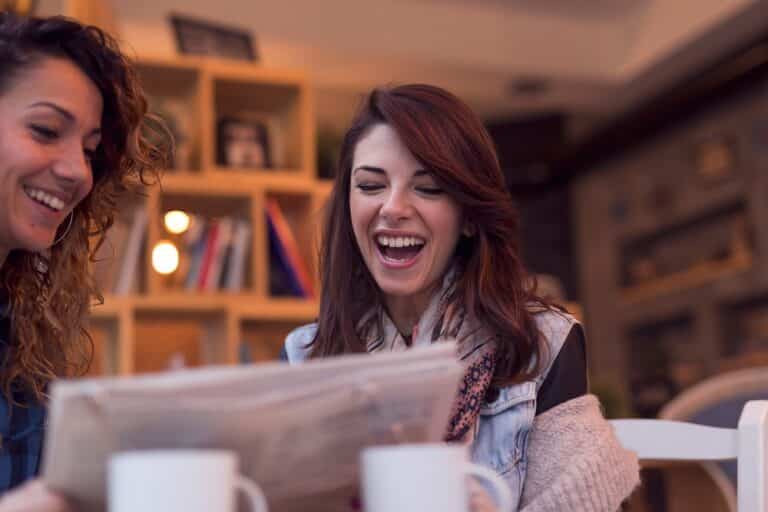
[(397, 206), (73, 167)]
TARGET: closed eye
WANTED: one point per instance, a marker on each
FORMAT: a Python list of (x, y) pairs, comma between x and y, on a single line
[(430, 191), (44, 133), (370, 187)]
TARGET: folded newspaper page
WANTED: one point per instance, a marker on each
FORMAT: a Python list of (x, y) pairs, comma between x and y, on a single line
[(297, 429)]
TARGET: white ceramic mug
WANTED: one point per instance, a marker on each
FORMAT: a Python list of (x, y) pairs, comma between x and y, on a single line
[(188, 480), (423, 477)]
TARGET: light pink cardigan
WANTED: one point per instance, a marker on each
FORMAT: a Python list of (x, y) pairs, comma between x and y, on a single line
[(575, 462)]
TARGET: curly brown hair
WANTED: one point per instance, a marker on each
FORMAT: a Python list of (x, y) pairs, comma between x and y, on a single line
[(49, 295)]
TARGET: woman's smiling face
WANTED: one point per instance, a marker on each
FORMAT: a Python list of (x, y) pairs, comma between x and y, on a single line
[(405, 225), (50, 120)]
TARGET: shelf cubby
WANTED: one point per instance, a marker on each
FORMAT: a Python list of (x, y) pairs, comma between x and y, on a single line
[(159, 322)]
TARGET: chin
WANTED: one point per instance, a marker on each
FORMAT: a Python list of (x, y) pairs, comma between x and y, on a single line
[(398, 289)]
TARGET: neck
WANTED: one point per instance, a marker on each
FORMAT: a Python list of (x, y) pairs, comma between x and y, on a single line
[(406, 312), (404, 316)]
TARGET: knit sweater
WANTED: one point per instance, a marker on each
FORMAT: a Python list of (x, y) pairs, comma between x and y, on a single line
[(575, 461)]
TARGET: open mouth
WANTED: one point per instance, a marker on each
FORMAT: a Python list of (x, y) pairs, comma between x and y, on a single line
[(44, 198), (399, 249)]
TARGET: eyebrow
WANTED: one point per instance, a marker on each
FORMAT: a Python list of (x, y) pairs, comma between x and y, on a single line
[(379, 170), (66, 114)]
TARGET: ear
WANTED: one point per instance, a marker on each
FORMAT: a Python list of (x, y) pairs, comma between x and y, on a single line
[(469, 230)]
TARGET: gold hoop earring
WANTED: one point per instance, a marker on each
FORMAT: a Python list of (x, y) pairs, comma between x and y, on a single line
[(66, 231)]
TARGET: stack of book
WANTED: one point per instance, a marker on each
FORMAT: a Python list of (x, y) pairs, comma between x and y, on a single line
[(213, 255), (216, 252)]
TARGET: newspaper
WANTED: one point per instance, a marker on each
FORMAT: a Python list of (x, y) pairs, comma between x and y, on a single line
[(298, 430)]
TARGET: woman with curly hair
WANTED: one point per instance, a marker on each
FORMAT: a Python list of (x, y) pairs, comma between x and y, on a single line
[(421, 246), (71, 145)]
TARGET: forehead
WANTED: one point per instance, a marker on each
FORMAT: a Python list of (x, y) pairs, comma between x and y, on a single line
[(58, 81), (382, 147)]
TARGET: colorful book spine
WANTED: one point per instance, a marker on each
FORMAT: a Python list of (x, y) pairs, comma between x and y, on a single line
[(290, 248), (283, 278), (234, 278), (208, 254), (223, 240), (195, 240)]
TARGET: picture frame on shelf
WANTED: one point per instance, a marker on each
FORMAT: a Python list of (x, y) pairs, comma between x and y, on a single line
[(243, 143), (199, 37)]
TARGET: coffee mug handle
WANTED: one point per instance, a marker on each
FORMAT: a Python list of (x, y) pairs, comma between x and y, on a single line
[(253, 493), (502, 493)]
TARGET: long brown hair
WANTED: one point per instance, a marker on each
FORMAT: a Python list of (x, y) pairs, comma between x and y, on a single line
[(445, 136), (49, 294)]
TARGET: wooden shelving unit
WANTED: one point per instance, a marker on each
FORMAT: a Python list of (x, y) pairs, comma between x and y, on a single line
[(674, 264), (701, 274), (161, 323)]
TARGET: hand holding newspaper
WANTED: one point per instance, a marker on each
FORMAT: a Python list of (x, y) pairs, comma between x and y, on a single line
[(298, 430)]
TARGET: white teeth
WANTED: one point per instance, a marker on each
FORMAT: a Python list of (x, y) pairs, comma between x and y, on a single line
[(399, 241), (45, 198)]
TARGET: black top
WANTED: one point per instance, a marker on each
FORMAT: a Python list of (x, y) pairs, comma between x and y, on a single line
[(567, 377)]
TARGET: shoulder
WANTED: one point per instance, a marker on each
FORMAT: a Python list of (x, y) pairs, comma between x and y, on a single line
[(297, 342), (554, 327)]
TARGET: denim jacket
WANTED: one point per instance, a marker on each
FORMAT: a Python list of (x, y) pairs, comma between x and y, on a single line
[(501, 437)]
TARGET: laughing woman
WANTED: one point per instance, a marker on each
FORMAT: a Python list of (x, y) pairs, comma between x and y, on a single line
[(420, 246), (70, 146)]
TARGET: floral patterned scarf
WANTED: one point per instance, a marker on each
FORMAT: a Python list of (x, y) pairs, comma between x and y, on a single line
[(441, 322)]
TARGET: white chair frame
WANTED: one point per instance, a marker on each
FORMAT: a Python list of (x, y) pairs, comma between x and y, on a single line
[(666, 440), (708, 393)]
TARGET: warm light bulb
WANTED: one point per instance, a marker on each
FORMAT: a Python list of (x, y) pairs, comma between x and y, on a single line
[(176, 221), (165, 258)]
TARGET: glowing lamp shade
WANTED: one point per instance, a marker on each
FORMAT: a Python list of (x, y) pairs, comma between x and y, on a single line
[(165, 258), (176, 221)]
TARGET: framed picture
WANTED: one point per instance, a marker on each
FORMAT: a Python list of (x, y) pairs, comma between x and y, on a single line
[(715, 158), (242, 143), (205, 38)]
